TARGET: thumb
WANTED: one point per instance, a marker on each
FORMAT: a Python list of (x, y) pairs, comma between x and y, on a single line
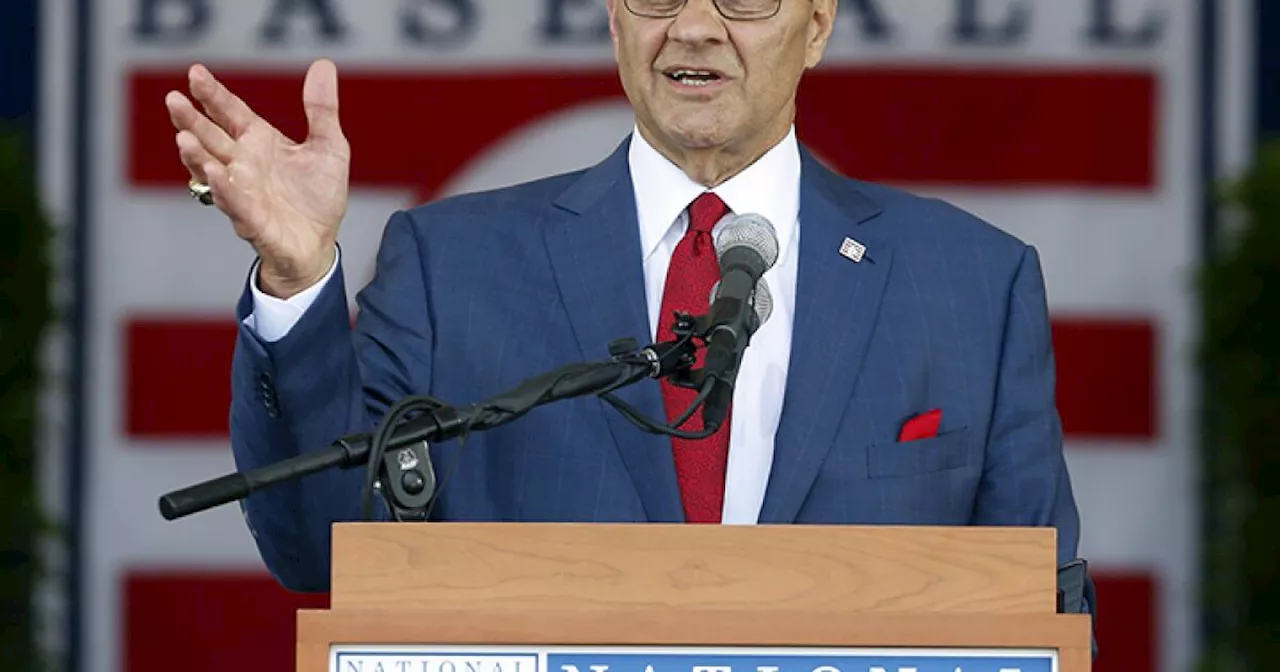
[(320, 100)]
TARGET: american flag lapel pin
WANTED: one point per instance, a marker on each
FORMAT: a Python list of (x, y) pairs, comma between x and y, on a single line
[(852, 249)]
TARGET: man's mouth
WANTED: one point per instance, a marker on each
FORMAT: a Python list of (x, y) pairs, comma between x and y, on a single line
[(693, 76)]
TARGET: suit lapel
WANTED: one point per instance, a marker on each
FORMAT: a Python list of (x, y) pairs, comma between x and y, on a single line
[(593, 241), (837, 303)]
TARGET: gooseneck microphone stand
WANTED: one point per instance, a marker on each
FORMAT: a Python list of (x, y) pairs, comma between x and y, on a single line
[(396, 454)]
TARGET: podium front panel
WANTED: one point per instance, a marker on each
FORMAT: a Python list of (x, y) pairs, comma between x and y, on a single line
[(442, 640), (366, 658)]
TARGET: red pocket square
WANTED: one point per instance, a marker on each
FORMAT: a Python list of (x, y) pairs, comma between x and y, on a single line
[(922, 426)]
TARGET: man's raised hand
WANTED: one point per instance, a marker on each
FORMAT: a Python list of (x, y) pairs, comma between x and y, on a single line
[(287, 199)]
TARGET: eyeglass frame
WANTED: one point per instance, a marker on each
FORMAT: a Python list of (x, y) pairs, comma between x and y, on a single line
[(777, 7)]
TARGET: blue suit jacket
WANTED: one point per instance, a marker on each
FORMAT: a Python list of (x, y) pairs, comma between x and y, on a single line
[(475, 293)]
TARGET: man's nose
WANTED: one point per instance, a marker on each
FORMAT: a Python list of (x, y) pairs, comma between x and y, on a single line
[(698, 21)]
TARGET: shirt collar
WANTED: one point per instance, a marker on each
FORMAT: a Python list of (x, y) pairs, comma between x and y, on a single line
[(769, 187)]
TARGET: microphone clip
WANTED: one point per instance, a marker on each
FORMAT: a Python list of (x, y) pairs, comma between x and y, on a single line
[(687, 329), (407, 481), (673, 360)]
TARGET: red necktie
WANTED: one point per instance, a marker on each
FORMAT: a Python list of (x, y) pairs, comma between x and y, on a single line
[(694, 270)]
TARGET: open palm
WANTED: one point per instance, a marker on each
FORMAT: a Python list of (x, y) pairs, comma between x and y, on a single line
[(287, 199)]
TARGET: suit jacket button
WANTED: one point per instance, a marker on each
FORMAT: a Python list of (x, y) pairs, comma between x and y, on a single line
[(268, 392)]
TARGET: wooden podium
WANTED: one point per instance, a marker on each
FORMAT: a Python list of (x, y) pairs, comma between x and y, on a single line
[(543, 597)]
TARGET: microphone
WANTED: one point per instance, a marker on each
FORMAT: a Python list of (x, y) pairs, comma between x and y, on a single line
[(747, 247)]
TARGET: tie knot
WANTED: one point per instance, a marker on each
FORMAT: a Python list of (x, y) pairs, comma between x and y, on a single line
[(705, 211)]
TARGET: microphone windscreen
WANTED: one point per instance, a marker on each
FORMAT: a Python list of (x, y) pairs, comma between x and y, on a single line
[(761, 299), (752, 231)]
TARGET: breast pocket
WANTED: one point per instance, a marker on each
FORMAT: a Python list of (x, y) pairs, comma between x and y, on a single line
[(923, 456)]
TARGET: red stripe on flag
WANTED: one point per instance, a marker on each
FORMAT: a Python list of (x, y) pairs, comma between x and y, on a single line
[(222, 621), (984, 128), (210, 622), (179, 378), (1127, 624), (951, 126), (1107, 382)]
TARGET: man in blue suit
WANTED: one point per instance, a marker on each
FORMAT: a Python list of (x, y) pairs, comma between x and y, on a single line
[(905, 375)]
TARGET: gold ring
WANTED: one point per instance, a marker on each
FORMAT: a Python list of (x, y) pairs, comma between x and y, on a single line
[(200, 191)]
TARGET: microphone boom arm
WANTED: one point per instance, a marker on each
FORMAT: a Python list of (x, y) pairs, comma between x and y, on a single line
[(439, 422)]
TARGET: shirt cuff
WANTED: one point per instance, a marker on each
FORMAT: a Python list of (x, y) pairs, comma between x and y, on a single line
[(272, 318)]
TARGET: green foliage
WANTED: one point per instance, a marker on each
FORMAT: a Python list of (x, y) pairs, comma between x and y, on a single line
[(25, 311), (1241, 458)]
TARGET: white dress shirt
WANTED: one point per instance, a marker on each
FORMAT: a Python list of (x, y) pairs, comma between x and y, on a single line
[(769, 187)]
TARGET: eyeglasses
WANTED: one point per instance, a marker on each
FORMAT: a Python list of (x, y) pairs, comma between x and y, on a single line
[(735, 10)]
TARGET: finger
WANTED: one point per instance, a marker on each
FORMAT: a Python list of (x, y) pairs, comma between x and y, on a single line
[(223, 107), (225, 195), (320, 100), (186, 117), (194, 156)]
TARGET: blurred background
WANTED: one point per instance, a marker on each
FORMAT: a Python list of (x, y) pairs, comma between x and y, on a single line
[(1126, 139)]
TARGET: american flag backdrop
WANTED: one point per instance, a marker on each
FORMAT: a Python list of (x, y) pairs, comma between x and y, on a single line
[(1073, 124)]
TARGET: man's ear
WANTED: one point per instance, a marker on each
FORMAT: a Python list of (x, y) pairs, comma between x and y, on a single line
[(822, 19), (612, 7)]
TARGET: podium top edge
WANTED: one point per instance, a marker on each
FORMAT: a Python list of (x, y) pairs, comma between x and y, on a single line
[(684, 528)]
